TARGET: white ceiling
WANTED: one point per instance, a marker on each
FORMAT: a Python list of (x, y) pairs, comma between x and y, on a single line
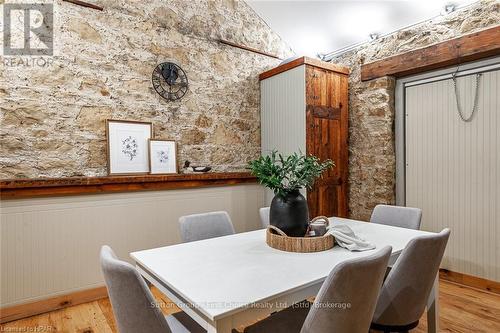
[(312, 27)]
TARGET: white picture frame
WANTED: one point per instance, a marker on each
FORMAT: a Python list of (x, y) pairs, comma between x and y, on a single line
[(162, 157), (128, 151)]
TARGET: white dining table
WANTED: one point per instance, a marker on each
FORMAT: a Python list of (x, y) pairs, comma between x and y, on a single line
[(226, 282)]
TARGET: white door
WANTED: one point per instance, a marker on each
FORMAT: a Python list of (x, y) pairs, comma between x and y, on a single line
[(452, 169)]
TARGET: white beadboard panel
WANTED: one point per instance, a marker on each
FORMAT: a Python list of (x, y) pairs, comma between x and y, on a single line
[(453, 169), (50, 246), (283, 113)]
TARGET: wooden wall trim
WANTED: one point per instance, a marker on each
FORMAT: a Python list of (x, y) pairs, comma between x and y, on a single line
[(307, 61), (250, 49), (51, 304), (475, 46), (29, 188), (470, 281), (84, 4)]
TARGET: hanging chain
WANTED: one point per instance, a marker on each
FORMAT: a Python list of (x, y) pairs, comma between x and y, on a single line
[(457, 97)]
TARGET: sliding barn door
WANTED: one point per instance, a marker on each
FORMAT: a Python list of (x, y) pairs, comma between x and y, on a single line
[(326, 137), (453, 169)]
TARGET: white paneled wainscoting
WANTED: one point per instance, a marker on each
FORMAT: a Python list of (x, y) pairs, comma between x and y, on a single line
[(50, 246)]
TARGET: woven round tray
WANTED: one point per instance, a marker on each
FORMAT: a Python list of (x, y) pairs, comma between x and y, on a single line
[(277, 239)]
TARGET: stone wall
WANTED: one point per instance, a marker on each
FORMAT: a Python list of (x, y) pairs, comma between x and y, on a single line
[(371, 119), (52, 118)]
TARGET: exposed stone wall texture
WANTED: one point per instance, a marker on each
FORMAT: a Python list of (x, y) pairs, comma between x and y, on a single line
[(53, 118), (372, 162)]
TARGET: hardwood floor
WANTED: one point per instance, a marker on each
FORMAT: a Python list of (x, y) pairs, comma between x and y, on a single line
[(463, 309)]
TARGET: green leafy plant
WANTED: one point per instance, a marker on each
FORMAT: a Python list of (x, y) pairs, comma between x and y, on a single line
[(284, 175)]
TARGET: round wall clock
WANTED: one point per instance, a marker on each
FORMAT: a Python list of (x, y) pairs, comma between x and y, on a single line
[(170, 81)]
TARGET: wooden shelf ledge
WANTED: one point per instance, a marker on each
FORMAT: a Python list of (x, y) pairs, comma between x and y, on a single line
[(47, 187)]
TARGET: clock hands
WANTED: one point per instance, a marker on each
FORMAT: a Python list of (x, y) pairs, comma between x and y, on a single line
[(170, 73)]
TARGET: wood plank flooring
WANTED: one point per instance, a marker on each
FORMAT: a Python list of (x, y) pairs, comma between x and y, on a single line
[(463, 309)]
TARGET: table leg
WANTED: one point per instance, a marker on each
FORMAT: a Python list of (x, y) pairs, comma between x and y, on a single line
[(221, 326), (433, 308)]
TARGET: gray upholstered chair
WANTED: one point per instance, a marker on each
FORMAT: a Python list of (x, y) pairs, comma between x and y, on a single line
[(134, 305), (264, 216), (397, 216), (203, 226), (345, 302), (406, 289)]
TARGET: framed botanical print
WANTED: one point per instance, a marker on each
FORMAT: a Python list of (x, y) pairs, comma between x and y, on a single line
[(128, 151), (162, 156)]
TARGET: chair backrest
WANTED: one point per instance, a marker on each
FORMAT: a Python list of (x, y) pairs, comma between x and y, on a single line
[(347, 298), (407, 287), (203, 226), (133, 304), (264, 216), (397, 216)]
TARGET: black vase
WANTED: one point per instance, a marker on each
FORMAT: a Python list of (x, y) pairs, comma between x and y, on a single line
[(290, 214)]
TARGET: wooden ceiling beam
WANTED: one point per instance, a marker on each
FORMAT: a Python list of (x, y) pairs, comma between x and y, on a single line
[(475, 46)]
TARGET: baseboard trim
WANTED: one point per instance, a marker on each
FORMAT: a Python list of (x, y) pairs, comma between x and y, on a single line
[(470, 281), (84, 296), (20, 311)]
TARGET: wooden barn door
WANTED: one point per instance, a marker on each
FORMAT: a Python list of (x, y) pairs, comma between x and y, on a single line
[(326, 136)]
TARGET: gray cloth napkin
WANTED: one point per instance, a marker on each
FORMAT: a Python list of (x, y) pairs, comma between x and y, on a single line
[(346, 238)]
